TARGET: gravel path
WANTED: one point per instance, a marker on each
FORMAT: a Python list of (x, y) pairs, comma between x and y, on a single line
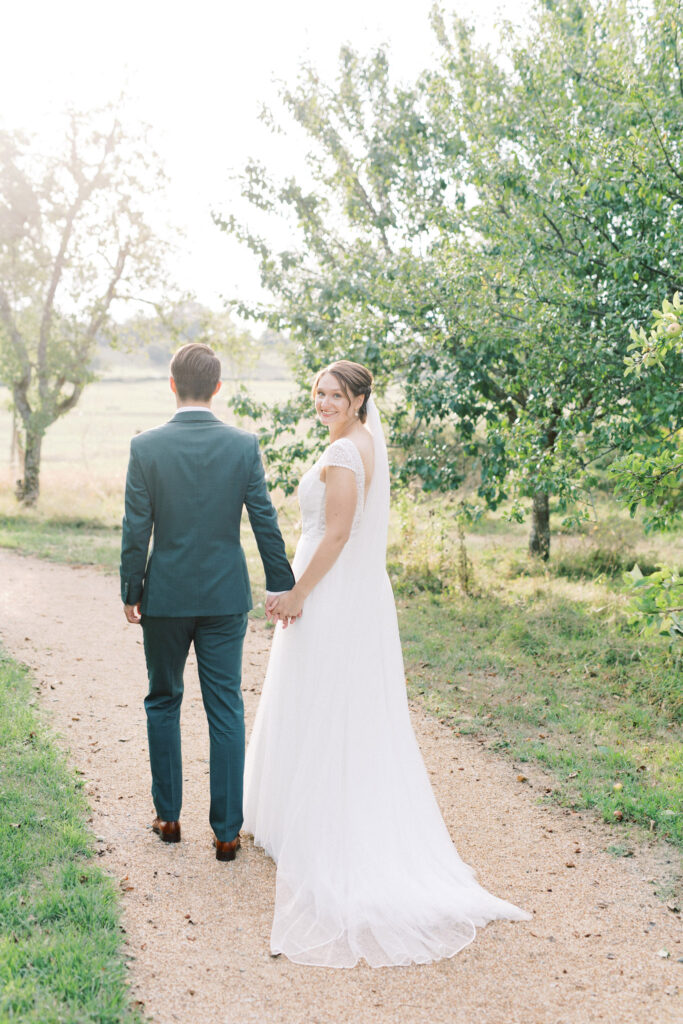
[(198, 930)]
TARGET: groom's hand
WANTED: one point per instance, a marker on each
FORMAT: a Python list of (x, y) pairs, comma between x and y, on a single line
[(271, 602), (132, 613)]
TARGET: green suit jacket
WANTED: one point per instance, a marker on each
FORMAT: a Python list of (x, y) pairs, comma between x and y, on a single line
[(187, 484)]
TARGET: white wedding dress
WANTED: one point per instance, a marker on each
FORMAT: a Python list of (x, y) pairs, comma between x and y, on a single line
[(335, 787)]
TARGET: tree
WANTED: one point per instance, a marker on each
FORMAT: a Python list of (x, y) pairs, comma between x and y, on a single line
[(573, 156), (478, 239), (185, 321), (74, 241)]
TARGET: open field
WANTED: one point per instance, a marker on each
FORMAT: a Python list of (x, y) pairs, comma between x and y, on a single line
[(86, 452), (540, 659)]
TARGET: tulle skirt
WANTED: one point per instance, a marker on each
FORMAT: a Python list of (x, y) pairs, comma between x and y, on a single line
[(337, 793)]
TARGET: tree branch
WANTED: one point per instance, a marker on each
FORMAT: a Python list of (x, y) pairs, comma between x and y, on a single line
[(676, 174), (68, 403), (102, 307), (85, 190), (556, 230)]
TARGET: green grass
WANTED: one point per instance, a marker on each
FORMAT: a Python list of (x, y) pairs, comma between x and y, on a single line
[(60, 939), (554, 673), (74, 541)]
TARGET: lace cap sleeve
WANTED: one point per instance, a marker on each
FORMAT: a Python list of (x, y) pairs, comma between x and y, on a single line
[(344, 453)]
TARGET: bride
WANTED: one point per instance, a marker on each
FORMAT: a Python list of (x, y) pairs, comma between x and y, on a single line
[(336, 791)]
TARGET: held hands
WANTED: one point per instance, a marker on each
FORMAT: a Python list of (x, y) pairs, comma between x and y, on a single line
[(285, 607)]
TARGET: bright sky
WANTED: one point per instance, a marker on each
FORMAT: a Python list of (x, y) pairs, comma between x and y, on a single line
[(199, 73)]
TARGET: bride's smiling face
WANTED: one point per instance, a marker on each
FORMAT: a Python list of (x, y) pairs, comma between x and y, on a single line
[(331, 404)]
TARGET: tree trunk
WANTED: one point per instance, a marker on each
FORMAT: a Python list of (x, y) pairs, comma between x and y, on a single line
[(539, 538), (28, 489), (16, 451)]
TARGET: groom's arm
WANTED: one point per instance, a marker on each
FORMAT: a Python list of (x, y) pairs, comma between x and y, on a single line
[(263, 519), (135, 534)]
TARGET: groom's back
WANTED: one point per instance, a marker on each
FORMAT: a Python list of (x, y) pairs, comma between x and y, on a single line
[(196, 471)]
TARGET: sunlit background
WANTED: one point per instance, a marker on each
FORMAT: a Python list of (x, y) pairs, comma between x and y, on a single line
[(537, 612), (199, 74)]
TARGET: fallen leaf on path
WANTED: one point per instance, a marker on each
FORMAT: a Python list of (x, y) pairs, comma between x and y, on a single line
[(522, 778)]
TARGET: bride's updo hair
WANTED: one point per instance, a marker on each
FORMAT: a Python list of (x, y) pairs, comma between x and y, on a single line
[(354, 380)]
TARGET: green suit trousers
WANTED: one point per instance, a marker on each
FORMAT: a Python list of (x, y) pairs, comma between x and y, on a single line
[(218, 641)]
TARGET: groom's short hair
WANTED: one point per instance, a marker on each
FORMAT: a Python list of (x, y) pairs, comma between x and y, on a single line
[(196, 370)]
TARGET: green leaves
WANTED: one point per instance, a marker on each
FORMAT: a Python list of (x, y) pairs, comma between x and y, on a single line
[(482, 238), (651, 474), (658, 600)]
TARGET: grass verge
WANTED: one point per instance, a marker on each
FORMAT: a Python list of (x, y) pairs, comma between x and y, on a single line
[(556, 682), (74, 541), (60, 939)]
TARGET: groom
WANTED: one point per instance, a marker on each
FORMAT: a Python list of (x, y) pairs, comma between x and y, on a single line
[(187, 484)]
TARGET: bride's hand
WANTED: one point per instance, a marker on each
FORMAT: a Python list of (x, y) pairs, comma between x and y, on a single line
[(288, 607)]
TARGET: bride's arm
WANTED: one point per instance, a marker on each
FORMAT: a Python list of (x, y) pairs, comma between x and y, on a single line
[(340, 506)]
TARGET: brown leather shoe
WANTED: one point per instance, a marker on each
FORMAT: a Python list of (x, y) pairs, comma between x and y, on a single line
[(168, 831), (226, 851)]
